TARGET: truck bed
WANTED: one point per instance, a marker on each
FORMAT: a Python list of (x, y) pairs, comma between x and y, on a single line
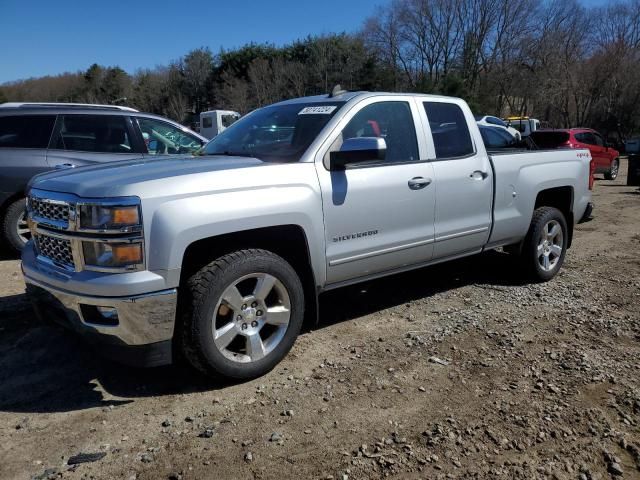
[(519, 174)]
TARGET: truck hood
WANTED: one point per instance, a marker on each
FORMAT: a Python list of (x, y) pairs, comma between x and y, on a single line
[(128, 177)]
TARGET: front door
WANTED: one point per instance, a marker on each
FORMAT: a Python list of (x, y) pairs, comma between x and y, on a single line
[(378, 217), (86, 139)]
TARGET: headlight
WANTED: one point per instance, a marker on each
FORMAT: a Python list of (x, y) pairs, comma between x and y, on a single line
[(100, 217), (112, 255)]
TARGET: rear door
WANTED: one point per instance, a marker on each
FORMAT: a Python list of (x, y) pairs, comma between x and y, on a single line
[(463, 181), (81, 139), (23, 150), (378, 217)]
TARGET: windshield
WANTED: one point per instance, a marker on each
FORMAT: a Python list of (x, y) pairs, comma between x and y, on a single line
[(280, 133), (496, 121)]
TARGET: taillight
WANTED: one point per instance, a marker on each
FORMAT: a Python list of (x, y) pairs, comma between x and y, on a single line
[(592, 171)]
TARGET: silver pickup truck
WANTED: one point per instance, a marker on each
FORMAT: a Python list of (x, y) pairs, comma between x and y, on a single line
[(218, 258)]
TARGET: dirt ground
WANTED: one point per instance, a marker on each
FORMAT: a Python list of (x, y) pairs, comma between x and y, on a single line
[(456, 371)]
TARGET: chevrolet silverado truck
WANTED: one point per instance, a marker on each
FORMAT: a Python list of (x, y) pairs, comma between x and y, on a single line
[(217, 258)]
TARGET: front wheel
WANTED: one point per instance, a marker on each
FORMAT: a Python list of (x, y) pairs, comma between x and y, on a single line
[(245, 313), (612, 174), (545, 245), (14, 226)]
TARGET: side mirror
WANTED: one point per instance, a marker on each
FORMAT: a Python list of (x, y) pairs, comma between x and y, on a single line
[(358, 150)]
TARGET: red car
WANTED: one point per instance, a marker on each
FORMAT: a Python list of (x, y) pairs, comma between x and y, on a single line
[(606, 159)]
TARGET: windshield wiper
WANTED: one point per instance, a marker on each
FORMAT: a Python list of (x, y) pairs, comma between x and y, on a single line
[(227, 153)]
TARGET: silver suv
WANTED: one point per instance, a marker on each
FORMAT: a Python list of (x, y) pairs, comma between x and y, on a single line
[(36, 137)]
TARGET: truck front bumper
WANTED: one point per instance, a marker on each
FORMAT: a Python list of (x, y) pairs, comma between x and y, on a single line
[(135, 330)]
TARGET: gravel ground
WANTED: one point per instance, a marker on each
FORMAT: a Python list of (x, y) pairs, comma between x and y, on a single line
[(456, 371)]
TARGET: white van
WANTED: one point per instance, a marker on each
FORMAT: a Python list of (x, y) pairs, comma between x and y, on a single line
[(215, 121)]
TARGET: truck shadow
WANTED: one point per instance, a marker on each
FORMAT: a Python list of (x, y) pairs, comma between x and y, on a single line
[(46, 369)]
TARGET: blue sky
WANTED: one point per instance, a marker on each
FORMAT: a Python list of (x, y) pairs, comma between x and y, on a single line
[(47, 37)]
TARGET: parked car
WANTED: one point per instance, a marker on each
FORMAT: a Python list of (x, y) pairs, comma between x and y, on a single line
[(605, 158), (490, 121), (36, 137), (221, 255), (632, 146), (496, 138)]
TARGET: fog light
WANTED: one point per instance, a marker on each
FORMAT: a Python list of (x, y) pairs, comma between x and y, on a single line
[(108, 313), (95, 315)]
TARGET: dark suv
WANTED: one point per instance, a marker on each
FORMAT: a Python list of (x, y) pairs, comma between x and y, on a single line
[(36, 137)]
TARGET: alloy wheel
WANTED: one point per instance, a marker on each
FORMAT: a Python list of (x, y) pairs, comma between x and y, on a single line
[(550, 245), (251, 317), (22, 228)]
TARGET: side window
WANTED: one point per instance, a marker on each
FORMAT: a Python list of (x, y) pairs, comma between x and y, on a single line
[(392, 121), (598, 139), (162, 138), (93, 133), (228, 120), (451, 137), (590, 138), (26, 131), (580, 137)]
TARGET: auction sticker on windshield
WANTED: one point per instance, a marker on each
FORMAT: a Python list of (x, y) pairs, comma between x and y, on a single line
[(321, 110)]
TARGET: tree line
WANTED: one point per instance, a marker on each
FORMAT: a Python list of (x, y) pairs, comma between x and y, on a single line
[(555, 60)]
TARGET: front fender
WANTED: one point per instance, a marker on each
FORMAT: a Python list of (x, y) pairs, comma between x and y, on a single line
[(177, 223)]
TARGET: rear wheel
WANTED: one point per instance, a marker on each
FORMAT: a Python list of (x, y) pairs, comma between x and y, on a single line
[(15, 228), (545, 245), (245, 314), (612, 174)]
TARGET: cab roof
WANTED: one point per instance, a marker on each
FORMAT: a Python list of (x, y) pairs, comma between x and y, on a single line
[(346, 96)]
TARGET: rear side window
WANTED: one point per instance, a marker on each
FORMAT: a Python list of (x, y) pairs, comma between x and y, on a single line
[(26, 131), (598, 139), (93, 133), (551, 139), (451, 137), (586, 137)]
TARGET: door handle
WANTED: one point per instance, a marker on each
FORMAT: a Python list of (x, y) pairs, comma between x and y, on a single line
[(62, 166), (416, 183), (479, 175)]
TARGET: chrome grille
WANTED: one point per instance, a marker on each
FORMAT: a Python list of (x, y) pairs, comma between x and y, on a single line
[(58, 211), (57, 250)]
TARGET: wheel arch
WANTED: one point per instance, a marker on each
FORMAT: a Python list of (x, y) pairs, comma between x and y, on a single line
[(288, 241), (562, 199)]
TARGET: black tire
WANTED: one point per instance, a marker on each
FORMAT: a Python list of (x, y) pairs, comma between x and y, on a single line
[(542, 217), (12, 217), (612, 174), (204, 291)]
